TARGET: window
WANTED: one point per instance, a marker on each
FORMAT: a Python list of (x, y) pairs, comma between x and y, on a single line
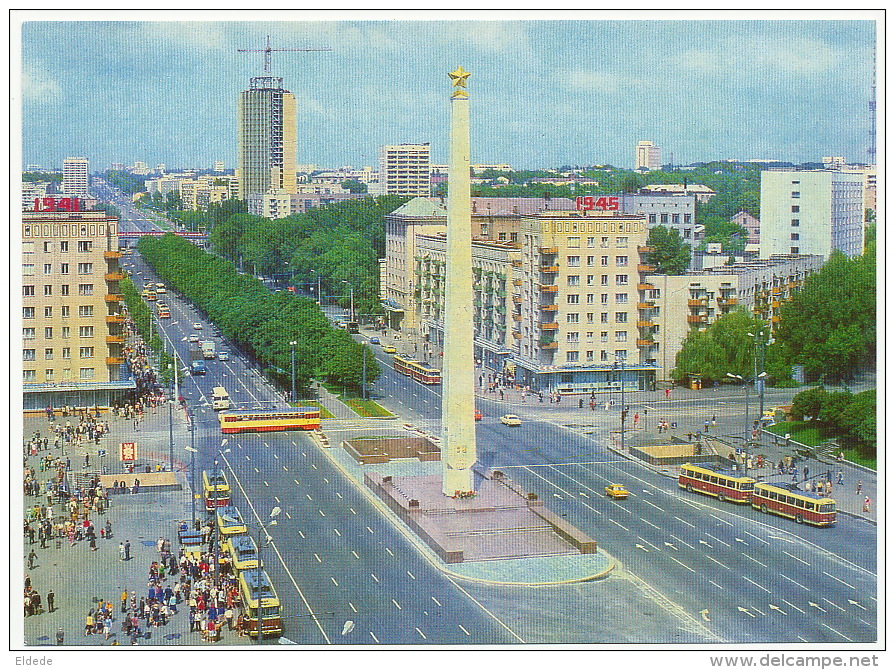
[(795, 209), (65, 311), (66, 352), (48, 289), (63, 245), (621, 354), (590, 261), (796, 194), (590, 317), (571, 357), (675, 218), (604, 260), (85, 245), (48, 312), (621, 242), (85, 331), (604, 336), (28, 354), (621, 317), (572, 338), (686, 233), (85, 268), (29, 375), (85, 310), (28, 290), (794, 222), (27, 312), (514, 237), (621, 298), (64, 289), (48, 354), (652, 218), (573, 280), (591, 242), (589, 356), (572, 299), (63, 268), (590, 298), (48, 374), (502, 237), (590, 280), (28, 269), (573, 261), (85, 289), (604, 355), (572, 318), (794, 236), (484, 230), (663, 218), (66, 332), (574, 242), (604, 298), (86, 352), (48, 333), (621, 261), (87, 373), (604, 280), (604, 317), (687, 218), (621, 280), (621, 336), (793, 250), (48, 268), (27, 333), (604, 242), (48, 247)]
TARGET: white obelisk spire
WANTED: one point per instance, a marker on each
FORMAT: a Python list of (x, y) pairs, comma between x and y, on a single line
[(458, 393)]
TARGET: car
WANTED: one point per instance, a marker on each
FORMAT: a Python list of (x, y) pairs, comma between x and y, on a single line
[(389, 349), (197, 326), (374, 340), (194, 337), (510, 420), (223, 356), (616, 491), (478, 415)]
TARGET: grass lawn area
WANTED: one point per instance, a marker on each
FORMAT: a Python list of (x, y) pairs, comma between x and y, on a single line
[(366, 407), (324, 413), (853, 456), (800, 432)]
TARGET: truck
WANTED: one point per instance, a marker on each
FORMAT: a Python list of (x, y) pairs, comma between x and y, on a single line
[(207, 349), (197, 362)]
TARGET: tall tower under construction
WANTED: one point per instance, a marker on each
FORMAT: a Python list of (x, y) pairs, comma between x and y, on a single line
[(267, 137)]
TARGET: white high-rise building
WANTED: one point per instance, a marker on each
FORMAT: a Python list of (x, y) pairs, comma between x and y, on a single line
[(75, 179), (811, 212), (404, 170), (649, 156)]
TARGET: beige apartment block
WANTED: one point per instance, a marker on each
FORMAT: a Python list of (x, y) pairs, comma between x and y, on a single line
[(404, 169), (72, 326)]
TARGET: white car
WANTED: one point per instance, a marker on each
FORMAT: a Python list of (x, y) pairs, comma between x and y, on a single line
[(197, 326), (223, 356), (194, 337), (510, 420)]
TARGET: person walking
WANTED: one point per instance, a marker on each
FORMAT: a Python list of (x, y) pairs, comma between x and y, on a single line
[(124, 601), (860, 485), (60, 637), (866, 504), (31, 557), (839, 477), (121, 551), (51, 601), (127, 550)]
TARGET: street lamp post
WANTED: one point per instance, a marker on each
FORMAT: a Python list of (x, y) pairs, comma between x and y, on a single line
[(762, 339), (193, 453), (214, 520), (746, 381), (261, 545), (292, 345), (620, 364)]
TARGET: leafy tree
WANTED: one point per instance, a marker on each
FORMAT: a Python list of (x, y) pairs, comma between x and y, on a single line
[(848, 418), (354, 186), (808, 403), (724, 347), (126, 181), (670, 254), (42, 176)]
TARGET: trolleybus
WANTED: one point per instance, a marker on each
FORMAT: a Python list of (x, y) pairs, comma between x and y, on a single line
[(255, 586), (716, 481), (787, 500), (243, 552), (230, 521), (215, 490)]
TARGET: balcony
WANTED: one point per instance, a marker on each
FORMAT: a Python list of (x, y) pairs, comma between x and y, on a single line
[(109, 255), (777, 290), (645, 324), (517, 317), (775, 319), (549, 250), (115, 318), (698, 302), (517, 282), (549, 288), (549, 308), (775, 304), (645, 343), (114, 276), (517, 298), (517, 334), (114, 339), (696, 318), (644, 249), (114, 360), (550, 326), (727, 301), (649, 304), (646, 269), (549, 268), (516, 263), (550, 345), (114, 297), (645, 287)]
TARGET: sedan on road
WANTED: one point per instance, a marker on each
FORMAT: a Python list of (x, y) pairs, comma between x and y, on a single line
[(389, 349), (510, 420), (197, 326), (616, 491), (374, 340), (194, 337), (223, 356)]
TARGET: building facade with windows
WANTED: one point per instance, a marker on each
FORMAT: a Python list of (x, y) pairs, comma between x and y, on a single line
[(811, 212), (75, 177), (404, 170), (648, 156), (73, 331)]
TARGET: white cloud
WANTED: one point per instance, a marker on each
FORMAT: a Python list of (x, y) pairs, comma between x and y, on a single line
[(38, 85), (763, 56)]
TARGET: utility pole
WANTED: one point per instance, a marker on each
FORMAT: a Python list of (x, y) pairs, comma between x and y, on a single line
[(292, 344), (364, 392), (622, 377)]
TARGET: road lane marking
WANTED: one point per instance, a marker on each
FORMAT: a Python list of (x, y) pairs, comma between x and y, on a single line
[(353, 608), (397, 605), (795, 557), (754, 559), (308, 496), (300, 533), (652, 505), (338, 494), (376, 639), (313, 466), (726, 567), (839, 580), (718, 585), (257, 471), (276, 457), (435, 600), (318, 558), (686, 522), (649, 543), (794, 582), (842, 609), (296, 482), (760, 539), (277, 499), (411, 574), (651, 524), (355, 554), (266, 484), (285, 469), (352, 510), (322, 513), (374, 577), (464, 630), (326, 480), (721, 520), (334, 581), (389, 551), (418, 630), (370, 529), (486, 610), (681, 541), (793, 606), (619, 525), (288, 516), (718, 540), (684, 565), (836, 631), (755, 584), (336, 531)]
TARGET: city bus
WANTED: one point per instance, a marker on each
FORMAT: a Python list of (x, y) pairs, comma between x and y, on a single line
[(215, 490), (164, 312), (263, 420), (716, 481), (785, 499), (416, 370), (150, 295), (243, 552), (255, 585), (220, 399), (230, 521), (160, 289)]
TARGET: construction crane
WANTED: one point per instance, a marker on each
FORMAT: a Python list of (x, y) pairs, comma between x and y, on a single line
[(267, 50)]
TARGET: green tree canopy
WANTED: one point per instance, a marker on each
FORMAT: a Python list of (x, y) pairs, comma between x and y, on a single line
[(725, 347), (670, 254)]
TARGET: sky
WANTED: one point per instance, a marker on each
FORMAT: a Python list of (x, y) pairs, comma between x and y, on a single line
[(543, 93)]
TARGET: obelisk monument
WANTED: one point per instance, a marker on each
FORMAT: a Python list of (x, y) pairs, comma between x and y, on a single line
[(458, 453)]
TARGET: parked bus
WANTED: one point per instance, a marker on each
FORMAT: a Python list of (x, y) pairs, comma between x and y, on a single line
[(230, 521), (255, 585), (416, 370), (787, 500), (716, 481), (220, 399), (262, 420), (215, 490), (243, 552)]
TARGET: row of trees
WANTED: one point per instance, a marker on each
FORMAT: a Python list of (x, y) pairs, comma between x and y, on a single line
[(258, 321), (141, 315), (847, 417), (126, 181)]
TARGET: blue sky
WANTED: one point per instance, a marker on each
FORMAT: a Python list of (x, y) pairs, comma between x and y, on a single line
[(543, 92)]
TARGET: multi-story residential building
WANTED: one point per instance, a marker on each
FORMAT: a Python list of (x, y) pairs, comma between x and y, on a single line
[(699, 191), (752, 226), (72, 328), (32, 190), (75, 177), (218, 166), (267, 136), (672, 211), (404, 170), (278, 205), (811, 212), (649, 156)]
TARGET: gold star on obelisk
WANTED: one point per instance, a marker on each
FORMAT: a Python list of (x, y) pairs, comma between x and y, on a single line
[(458, 77)]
